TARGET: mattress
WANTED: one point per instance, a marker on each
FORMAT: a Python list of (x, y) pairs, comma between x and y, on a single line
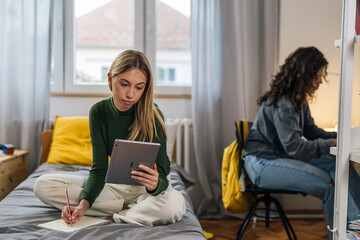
[(21, 211)]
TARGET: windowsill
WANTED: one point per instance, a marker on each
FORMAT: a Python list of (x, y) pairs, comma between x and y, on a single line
[(103, 91), (172, 90), (99, 95)]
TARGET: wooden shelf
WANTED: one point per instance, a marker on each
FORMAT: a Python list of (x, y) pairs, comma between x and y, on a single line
[(337, 42), (354, 154)]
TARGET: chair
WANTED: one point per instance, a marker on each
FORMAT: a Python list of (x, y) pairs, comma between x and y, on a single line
[(242, 130)]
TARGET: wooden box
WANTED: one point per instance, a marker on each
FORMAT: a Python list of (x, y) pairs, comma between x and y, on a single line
[(13, 170)]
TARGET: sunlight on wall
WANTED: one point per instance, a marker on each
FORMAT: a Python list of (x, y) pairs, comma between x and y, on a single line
[(324, 109)]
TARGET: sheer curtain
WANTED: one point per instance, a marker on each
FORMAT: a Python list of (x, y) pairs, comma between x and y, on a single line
[(25, 30), (234, 54)]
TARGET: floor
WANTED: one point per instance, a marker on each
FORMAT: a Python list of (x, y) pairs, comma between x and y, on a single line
[(227, 229)]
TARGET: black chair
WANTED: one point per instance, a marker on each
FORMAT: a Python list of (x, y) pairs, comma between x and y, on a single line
[(263, 195)]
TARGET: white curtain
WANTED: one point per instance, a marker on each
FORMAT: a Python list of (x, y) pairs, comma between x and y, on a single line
[(234, 54), (206, 99), (25, 40)]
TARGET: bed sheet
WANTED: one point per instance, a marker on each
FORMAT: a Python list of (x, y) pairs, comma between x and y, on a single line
[(21, 211)]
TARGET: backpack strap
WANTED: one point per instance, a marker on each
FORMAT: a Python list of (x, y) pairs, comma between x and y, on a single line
[(242, 128)]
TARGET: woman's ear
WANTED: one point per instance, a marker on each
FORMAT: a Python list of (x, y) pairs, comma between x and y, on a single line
[(109, 81)]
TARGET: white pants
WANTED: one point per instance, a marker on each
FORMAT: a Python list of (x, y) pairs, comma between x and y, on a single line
[(145, 209)]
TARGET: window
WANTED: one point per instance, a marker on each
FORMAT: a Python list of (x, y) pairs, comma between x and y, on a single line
[(103, 29), (161, 74), (171, 74), (173, 42), (104, 72), (98, 30), (167, 76)]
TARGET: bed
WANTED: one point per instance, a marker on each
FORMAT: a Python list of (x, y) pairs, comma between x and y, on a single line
[(21, 211)]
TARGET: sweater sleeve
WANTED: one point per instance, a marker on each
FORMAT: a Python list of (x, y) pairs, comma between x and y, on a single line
[(96, 180), (162, 162), (290, 135)]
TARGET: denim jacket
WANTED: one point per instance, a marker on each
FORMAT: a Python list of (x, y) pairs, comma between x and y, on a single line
[(280, 132)]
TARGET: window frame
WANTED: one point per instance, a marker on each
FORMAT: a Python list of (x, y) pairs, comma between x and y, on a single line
[(64, 55)]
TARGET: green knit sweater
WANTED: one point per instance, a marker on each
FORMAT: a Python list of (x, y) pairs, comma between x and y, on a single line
[(107, 123)]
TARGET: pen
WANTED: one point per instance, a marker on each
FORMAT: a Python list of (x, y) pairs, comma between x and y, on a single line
[(68, 203)]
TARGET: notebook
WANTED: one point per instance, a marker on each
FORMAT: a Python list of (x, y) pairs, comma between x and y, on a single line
[(62, 226), (126, 156)]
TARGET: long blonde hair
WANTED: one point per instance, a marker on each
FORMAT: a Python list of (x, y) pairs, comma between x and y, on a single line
[(146, 113)]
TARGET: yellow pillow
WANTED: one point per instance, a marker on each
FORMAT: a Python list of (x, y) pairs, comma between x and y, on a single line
[(71, 142)]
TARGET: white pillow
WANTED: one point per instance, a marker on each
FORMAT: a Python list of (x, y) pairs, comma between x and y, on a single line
[(171, 125)]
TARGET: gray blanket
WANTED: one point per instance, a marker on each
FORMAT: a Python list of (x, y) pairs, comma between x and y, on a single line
[(21, 211)]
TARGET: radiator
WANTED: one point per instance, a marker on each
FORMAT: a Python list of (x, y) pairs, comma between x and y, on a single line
[(178, 131)]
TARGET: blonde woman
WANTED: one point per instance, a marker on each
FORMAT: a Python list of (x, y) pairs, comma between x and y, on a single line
[(128, 114)]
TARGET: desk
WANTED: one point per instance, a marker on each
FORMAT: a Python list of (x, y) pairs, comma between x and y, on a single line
[(354, 154), (13, 170)]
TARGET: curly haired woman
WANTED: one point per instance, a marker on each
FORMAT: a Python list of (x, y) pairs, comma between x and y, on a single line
[(285, 149)]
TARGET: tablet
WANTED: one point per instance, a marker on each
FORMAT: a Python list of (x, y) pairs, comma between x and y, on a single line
[(126, 156)]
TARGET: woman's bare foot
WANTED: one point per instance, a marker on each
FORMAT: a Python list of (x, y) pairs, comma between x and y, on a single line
[(111, 217)]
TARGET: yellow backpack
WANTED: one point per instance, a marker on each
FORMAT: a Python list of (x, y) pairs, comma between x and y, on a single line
[(234, 180)]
